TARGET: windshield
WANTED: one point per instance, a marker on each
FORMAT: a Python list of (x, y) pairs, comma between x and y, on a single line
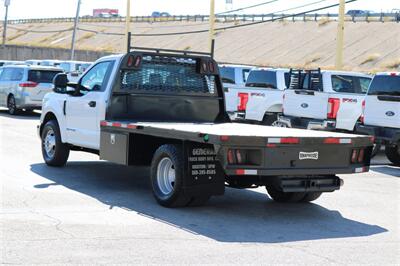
[(385, 85), (262, 78), (42, 76)]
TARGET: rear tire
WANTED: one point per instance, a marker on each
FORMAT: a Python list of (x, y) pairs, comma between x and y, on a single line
[(12, 106), (285, 197), (167, 174), (55, 153), (393, 153), (311, 196), (269, 119)]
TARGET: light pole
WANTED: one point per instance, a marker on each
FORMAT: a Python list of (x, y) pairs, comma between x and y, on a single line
[(340, 37), (75, 29), (127, 24), (212, 24), (6, 4)]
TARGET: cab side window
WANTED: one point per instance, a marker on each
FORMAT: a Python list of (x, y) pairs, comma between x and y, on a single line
[(97, 77)]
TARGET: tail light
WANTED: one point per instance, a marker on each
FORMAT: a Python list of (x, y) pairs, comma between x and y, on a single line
[(244, 157), (243, 99), (362, 117), (28, 84), (354, 156), (333, 107), (357, 156)]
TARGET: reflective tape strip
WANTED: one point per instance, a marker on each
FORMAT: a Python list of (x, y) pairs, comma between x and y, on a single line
[(361, 170), (246, 172), (117, 124), (274, 140)]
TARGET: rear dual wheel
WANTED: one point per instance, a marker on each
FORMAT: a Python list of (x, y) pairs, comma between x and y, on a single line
[(167, 175), (292, 197)]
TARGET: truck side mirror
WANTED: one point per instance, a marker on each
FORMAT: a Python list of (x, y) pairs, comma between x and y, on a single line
[(60, 82)]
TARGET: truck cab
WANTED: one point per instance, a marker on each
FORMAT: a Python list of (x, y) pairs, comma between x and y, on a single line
[(79, 114), (381, 113), (324, 100)]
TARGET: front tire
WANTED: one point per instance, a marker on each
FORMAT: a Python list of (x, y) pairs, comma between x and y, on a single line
[(12, 106), (167, 174), (55, 153), (393, 153)]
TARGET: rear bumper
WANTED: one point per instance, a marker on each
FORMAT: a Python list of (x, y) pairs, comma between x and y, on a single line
[(308, 123), (382, 135), (26, 102)]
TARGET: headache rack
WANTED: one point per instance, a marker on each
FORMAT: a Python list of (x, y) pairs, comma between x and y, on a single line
[(168, 51), (301, 79)]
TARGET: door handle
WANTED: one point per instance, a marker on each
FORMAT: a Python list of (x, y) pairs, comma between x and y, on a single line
[(92, 104)]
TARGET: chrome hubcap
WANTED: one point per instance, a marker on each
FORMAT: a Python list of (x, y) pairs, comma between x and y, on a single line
[(166, 176), (49, 143)]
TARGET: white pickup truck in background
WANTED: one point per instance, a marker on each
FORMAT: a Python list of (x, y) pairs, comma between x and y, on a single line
[(260, 99), (381, 116), (324, 100), (233, 76)]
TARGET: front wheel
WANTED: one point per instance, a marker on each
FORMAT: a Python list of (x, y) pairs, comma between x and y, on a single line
[(393, 153), (55, 153)]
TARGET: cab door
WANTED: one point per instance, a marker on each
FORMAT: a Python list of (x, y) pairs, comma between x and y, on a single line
[(83, 110)]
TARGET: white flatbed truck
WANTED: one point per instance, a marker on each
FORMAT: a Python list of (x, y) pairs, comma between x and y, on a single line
[(166, 109)]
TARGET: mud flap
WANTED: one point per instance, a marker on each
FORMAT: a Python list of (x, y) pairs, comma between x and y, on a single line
[(204, 174)]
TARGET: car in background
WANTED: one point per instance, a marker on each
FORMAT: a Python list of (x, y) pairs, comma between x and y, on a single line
[(53, 63), (33, 62), (357, 12), (381, 114), (232, 76), (74, 69), (261, 99), (10, 62), (324, 100), (157, 14), (23, 87)]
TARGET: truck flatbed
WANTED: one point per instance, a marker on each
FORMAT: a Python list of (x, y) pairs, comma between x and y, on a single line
[(230, 129)]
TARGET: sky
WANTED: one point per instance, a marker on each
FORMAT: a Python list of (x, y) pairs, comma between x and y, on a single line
[(66, 8)]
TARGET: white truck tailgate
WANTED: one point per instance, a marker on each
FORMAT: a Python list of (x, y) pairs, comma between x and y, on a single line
[(305, 103), (384, 113)]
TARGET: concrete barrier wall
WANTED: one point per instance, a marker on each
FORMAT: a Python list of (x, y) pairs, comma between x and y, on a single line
[(22, 53)]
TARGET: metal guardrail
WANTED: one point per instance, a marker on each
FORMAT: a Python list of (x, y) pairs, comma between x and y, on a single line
[(370, 17)]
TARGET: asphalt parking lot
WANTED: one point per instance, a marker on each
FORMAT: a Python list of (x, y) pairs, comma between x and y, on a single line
[(94, 212)]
